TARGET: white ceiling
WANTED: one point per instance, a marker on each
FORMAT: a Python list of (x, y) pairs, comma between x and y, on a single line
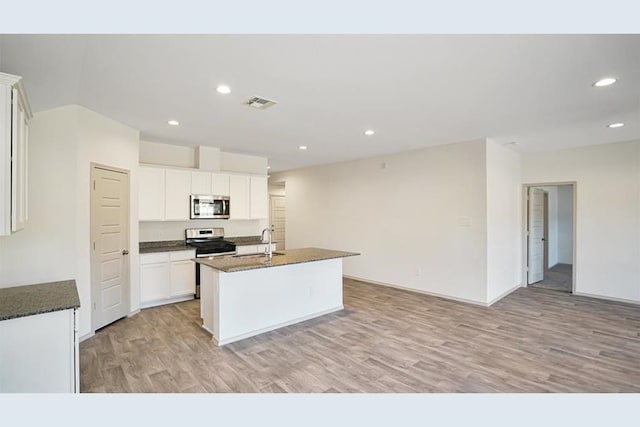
[(415, 91)]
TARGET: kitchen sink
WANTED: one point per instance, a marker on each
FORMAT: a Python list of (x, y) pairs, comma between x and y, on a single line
[(256, 255)]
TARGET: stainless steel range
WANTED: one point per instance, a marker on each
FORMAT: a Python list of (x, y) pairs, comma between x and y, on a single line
[(208, 242)]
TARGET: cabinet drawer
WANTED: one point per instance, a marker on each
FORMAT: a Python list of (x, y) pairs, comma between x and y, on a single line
[(182, 255), (154, 258)]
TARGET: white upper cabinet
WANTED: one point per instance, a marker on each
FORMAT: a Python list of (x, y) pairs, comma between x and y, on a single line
[(201, 183), (15, 113), (164, 193), (239, 196), (151, 194), (177, 192), (19, 148), (220, 184), (259, 206)]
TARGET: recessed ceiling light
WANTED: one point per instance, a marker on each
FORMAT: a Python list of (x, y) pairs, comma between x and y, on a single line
[(223, 89), (605, 82), (302, 147), (173, 122), (369, 132), (615, 125), (268, 167)]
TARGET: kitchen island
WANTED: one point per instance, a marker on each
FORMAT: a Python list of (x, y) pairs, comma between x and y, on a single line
[(243, 296)]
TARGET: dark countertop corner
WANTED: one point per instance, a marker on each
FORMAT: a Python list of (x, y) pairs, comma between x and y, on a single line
[(28, 300), (164, 246)]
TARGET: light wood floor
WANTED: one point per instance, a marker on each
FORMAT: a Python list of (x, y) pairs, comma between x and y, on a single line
[(386, 340)]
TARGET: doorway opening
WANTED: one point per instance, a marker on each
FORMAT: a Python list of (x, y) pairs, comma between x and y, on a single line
[(550, 236), (278, 213)]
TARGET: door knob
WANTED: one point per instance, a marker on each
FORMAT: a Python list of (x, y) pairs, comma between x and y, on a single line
[(125, 252)]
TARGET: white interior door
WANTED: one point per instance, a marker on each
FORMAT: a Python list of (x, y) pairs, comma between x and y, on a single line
[(535, 240), (278, 213), (110, 244)]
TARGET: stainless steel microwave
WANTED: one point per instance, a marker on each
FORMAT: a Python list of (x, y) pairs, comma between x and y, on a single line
[(209, 207)]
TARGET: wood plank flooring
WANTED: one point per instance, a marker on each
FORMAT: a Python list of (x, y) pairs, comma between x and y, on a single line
[(386, 340)]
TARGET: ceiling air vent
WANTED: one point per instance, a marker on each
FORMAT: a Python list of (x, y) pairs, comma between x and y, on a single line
[(259, 102)]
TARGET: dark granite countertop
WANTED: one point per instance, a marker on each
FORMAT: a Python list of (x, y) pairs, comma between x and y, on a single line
[(230, 264), (164, 246), (179, 245), (21, 301)]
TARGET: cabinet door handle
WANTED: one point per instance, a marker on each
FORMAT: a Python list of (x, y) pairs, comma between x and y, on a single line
[(125, 252)]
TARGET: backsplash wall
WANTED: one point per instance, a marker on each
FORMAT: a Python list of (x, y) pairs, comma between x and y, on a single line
[(174, 230)]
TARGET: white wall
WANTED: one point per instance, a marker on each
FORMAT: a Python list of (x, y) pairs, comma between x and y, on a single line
[(104, 141), (276, 189), (174, 230), (504, 221), (155, 153), (419, 223), (46, 249), (565, 224), (55, 243), (186, 156), (607, 213), (233, 162)]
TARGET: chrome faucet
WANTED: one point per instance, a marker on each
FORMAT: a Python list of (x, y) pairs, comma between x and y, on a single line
[(268, 251)]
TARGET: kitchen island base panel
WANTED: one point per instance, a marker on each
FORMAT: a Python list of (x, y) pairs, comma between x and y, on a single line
[(241, 304), (270, 328)]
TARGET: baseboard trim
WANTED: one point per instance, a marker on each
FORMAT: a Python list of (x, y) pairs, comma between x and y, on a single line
[(272, 327), (167, 301), (86, 336), (504, 294), (211, 332), (419, 291), (614, 299), (133, 313)]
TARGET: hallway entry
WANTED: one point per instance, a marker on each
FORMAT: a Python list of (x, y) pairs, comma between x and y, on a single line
[(550, 236)]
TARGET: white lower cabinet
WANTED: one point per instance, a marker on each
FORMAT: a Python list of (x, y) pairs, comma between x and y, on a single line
[(39, 353), (155, 282), (183, 277), (166, 277)]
